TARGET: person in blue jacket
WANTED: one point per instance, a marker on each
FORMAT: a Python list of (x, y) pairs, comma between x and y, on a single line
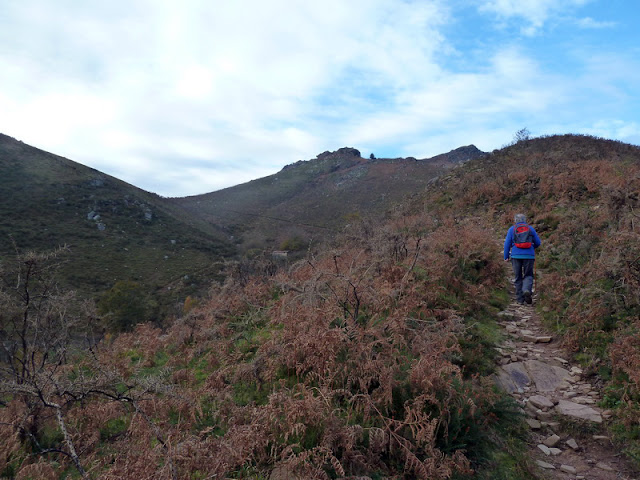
[(522, 257)]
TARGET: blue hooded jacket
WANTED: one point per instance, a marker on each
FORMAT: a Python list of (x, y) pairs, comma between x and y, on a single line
[(511, 251)]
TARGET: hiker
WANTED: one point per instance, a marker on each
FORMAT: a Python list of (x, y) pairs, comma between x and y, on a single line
[(519, 246)]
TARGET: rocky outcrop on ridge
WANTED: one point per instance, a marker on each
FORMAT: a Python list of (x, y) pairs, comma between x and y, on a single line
[(459, 155)]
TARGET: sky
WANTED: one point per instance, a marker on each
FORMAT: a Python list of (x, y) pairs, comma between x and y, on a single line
[(189, 97)]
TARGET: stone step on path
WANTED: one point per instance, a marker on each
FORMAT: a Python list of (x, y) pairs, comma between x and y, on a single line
[(552, 392)]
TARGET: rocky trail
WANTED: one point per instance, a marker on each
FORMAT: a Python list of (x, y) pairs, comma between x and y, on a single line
[(568, 439)]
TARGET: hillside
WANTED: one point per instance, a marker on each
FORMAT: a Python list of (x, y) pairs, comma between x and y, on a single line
[(371, 359), (311, 199), (115, 231), (582, 194)]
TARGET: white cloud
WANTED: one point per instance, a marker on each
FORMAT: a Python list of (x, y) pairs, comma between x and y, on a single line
[(615, 128), (590, 23), (534, 12), (612, 77), (224, 81), (457, 109)]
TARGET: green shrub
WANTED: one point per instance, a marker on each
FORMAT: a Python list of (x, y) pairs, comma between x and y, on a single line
[(125, 305)]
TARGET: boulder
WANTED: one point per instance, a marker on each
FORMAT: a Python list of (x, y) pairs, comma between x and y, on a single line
[(540, 401), (283, 472), (544, 416), (552, 441), (605, 467), (507, 315), (533, 423)]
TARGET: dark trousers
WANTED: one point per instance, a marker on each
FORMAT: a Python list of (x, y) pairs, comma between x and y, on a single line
[(523, 276)]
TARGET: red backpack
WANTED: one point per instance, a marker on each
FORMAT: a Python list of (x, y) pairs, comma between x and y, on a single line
[(522, 237)]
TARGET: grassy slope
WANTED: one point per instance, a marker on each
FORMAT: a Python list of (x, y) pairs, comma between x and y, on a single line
[(46, 201)]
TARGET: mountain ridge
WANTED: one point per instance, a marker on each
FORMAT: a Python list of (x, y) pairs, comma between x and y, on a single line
[(323, 193)]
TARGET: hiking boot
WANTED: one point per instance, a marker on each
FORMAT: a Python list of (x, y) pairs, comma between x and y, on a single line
[(527, 297)]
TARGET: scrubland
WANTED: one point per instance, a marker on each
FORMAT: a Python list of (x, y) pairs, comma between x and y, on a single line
[(369, 358)]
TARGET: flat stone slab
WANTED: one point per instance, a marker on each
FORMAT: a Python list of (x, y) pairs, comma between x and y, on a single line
[(540, 401), (545, 465), (546, 450), (551, 441), (576, 410), (533, 423), (547, 378), (605, 467)]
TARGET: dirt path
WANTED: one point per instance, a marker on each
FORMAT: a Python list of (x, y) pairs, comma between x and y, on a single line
[(567, 440)]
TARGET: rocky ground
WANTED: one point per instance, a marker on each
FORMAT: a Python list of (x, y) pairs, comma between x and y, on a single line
[(568, 436)]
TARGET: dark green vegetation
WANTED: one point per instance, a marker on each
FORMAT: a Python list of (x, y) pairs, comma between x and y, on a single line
[(309, 201), (116, 232), (369, 357)]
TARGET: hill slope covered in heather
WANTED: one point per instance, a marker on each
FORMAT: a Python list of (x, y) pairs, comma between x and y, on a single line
[(582, 194), (369, 359)]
